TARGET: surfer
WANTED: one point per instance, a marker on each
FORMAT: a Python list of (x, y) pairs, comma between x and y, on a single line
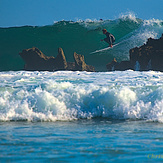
[(110, 39)]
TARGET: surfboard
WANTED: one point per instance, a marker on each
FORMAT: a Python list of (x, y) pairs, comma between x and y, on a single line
[(104, 49)]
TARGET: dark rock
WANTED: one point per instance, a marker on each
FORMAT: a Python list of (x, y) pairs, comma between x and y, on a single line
[(35, 60), (60, 60), (111, 66), (80, 64), (148, 56), (142, 55), (149, 53), (157, 60), (71, 66), (90, 68), (122, 66)]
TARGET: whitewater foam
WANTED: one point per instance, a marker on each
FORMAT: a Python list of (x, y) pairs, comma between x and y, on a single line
[(46, 96), (153, 22), (128, 16)]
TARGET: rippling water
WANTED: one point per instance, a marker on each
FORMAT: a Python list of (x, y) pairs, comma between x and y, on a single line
[(95, 140)]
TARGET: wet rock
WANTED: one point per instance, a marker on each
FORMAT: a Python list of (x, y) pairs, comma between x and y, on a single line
[(122, 66), (149, 53), (35, 60), (148, 56), (80, 64), (118, 66), (111, 66), (60, 61)]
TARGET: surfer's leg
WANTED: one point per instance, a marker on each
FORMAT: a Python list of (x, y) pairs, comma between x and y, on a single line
[(107, 40), (113, 39)]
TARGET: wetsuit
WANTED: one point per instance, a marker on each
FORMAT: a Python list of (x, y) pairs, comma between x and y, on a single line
[(109, 38)]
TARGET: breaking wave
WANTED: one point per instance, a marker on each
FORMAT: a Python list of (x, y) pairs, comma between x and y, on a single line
[(66, 95), (82, 37)]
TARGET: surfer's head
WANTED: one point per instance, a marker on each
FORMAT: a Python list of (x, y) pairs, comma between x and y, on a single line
[(104, 31)]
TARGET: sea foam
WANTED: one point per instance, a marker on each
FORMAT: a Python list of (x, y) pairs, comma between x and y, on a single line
[(47, 96)]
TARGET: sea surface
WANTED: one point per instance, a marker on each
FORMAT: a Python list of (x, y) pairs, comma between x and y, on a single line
[(67, 116), (77, 116)]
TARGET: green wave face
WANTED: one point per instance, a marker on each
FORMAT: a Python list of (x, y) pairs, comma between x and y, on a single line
[(82, 37)]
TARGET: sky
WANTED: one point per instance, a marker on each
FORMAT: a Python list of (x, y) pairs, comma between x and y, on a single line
[(46, 12)]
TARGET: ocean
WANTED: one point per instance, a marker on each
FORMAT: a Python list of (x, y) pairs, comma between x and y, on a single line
[(82, 37), (73, 116)]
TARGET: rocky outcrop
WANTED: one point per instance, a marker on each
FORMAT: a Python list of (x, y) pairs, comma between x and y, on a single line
[(122, 66), (111, 66), (147, 57), (35, 60), (80, 63), (60, 61)]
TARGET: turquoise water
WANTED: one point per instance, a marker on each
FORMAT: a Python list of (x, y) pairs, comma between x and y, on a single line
[(77, 116)]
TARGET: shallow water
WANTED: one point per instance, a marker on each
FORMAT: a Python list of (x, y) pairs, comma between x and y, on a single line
[(95, 140)]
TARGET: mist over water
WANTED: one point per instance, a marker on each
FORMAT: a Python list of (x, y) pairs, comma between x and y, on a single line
[(82, 37)]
